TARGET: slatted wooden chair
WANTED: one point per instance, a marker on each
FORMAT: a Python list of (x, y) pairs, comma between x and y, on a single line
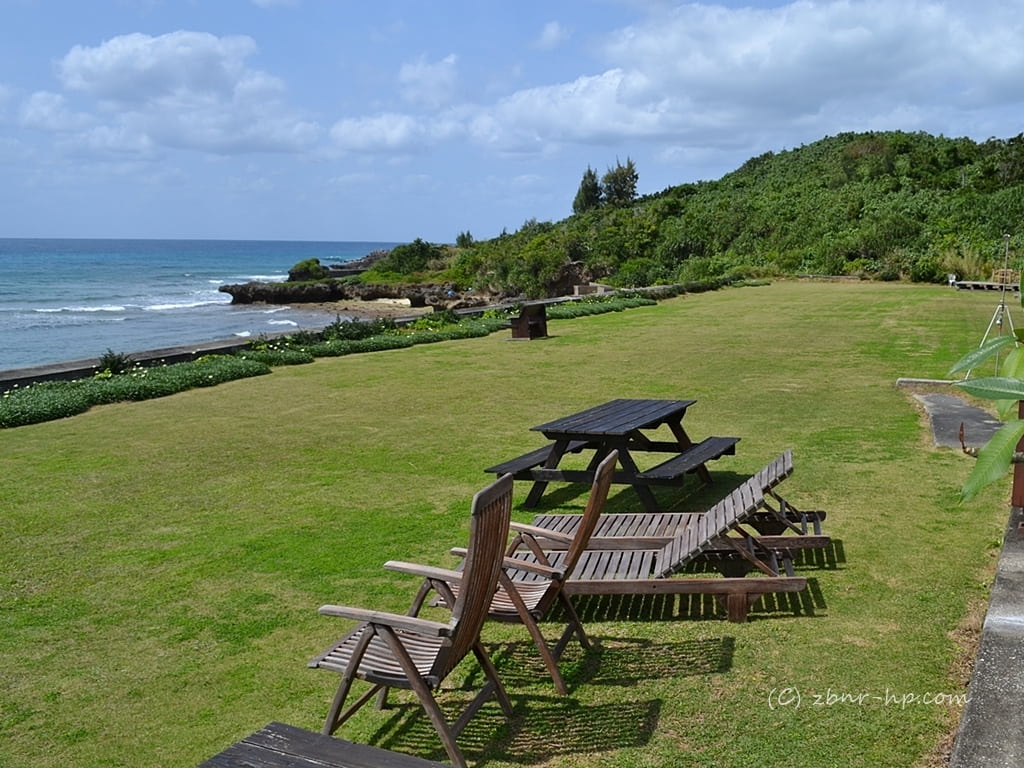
[(529, 601), (774, 516), (609, 568), (391, 650)]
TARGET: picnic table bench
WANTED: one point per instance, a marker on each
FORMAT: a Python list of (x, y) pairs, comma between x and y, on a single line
[(621, 425), (535, 458), (532, 322)]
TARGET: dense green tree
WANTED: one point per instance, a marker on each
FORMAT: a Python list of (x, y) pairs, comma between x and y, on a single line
[(410, 258), (589, 195), (618, 185)]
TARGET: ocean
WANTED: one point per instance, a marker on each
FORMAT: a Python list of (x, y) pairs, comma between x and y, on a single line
[(63, 300)]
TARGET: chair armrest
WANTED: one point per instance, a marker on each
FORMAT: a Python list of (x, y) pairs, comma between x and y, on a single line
[(397, 621), (522, 565), (426, 571), (534, 567), (541, 533)]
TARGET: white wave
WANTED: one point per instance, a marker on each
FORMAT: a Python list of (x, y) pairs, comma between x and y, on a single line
[(275, 310), (282, 322), (265, 278), (177, 305), (244, 334), (110, 308)]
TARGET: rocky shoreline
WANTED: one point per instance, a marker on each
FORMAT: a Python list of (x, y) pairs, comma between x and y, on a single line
[(332, 291), (389, 309)]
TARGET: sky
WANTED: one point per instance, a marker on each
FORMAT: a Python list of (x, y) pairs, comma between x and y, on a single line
[(388, 120)]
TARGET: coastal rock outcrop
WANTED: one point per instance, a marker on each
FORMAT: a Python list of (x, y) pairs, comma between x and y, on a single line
[(437, 296)]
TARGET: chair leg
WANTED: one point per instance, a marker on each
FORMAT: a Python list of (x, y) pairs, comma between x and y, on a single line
[(575, 626), (335, 717), (527, 620), (427, 701), (550, 659), (492, 674)]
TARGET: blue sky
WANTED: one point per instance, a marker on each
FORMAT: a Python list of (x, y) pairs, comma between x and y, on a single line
[(396, 119)]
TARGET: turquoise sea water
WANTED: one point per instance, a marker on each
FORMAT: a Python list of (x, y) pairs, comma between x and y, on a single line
[(64, 300)]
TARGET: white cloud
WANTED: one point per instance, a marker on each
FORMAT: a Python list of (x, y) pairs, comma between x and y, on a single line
[(807, 59), (429, 85), (49, 112), (187, 90), (715, 76), (384, 132), (589, 109), (396, 132), (551, 36)]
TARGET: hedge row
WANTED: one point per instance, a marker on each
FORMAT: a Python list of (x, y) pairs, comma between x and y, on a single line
[(50, 400)]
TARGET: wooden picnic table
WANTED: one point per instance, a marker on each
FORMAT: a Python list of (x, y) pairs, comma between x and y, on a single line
[(621, 425), (277, 745)]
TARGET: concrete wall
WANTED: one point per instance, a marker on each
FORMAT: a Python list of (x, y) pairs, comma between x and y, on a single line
[(991, 733)]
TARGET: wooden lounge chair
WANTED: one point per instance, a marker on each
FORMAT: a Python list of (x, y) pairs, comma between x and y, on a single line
[(529, 601), (608, 568), (773, 517), (404, 651), (777, 514)]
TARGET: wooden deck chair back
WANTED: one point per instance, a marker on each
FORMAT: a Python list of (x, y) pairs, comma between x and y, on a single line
[(528, 602), (717, 521), (488, 532), (592, 513), (776, 470)]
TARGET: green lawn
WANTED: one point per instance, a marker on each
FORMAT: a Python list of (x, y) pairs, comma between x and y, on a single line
[(162, 561)]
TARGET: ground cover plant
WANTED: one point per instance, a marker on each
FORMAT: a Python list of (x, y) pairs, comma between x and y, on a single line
[(163, 560)]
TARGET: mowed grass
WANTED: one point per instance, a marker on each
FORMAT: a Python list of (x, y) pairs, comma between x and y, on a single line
[(162, 562)]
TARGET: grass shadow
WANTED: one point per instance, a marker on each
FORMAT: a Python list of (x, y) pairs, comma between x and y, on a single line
[(547, 727), (541, 727), (695, 607), (613, 661)]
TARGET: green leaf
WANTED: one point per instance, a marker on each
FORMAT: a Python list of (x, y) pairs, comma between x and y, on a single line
[(993, 388), (1007, 409), (1013, 365), (1012, 368), (977, 356), (994, 459)]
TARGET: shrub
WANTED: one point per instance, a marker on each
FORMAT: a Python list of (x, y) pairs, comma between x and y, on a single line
[(434, 321), (596, 305), (310, 269), (278, 356), (45, 401), (113, 363), (356, 329)]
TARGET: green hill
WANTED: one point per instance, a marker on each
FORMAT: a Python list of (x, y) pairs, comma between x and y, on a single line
[(883, 205)]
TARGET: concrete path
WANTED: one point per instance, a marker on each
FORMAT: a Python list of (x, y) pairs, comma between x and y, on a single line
[(947, 412)]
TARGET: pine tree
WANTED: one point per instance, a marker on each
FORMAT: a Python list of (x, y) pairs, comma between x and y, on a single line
[(619, 184), (589, 195)]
